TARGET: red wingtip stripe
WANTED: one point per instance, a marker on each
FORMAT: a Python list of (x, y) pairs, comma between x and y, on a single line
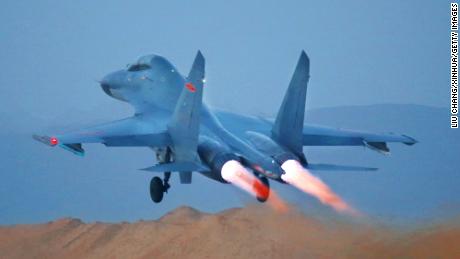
[(190, 87)]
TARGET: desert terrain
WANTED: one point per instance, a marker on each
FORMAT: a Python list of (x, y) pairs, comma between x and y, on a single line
[(250, 232)]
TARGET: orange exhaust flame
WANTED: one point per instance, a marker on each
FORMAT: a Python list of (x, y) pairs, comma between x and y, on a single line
[(278, 204), (233, 172), (302, 179)]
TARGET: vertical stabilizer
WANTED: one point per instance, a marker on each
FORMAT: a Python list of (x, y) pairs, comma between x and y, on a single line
[(184, 125), (288, 126)]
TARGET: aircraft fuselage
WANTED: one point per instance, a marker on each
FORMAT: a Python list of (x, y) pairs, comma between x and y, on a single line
[(153, 85)]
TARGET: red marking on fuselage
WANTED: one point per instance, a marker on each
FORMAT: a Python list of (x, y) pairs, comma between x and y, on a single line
[(53, 141), (190, 87)]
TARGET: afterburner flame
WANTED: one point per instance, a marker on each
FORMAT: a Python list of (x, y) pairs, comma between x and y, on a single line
[(235, 173), (301, 178), (277, 203)]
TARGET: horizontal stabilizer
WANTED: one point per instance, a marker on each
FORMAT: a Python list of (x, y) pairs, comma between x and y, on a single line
[(330, 167), (380, 147), (177, 167), (74, 148)]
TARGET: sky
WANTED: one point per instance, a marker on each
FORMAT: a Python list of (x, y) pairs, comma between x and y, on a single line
[(52, 52)]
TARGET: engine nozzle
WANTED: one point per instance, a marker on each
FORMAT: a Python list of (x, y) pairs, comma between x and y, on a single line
[(236, 174)]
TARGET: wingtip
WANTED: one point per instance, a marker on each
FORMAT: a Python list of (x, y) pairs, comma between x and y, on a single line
[(50, 141), (410, 140)]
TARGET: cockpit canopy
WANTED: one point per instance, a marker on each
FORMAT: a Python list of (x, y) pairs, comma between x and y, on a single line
[(138, 67), (143, 63)]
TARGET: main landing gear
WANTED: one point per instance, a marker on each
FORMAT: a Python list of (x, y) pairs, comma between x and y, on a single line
[(156, 189), (157, 186)]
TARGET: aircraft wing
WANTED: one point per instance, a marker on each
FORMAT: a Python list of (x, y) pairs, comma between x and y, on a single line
[(134, 131), (322, 136), (316, 135)]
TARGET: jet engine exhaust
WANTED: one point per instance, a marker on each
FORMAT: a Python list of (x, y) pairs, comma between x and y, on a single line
[(235, 173), (301, 178)]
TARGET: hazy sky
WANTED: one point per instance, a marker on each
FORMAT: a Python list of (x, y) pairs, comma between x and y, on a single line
[(361, 52), (52, 53)]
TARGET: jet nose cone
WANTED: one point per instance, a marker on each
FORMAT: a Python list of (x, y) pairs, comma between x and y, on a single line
[(106, 87), (112, 81), (105, 81), (106, 84), (112, 85)]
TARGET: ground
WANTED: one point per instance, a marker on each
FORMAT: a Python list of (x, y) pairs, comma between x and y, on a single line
[(249, 232)]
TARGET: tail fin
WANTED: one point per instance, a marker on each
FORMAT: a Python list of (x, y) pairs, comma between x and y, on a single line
[(184, 125), (288, 126)]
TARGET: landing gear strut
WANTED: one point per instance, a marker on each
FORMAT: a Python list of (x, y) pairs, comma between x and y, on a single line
[(157, 186), (166, 181)]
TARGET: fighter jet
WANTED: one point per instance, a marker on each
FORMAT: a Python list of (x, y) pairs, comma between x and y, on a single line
[(187, 136)]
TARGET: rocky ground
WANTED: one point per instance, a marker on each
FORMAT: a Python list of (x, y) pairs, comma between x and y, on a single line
[(250, 232)]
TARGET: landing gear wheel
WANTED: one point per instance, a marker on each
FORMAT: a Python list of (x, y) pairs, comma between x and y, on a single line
[(263, 192), (156, 189)]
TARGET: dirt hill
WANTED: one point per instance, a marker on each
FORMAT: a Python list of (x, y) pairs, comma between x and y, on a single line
[(250, 232)]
